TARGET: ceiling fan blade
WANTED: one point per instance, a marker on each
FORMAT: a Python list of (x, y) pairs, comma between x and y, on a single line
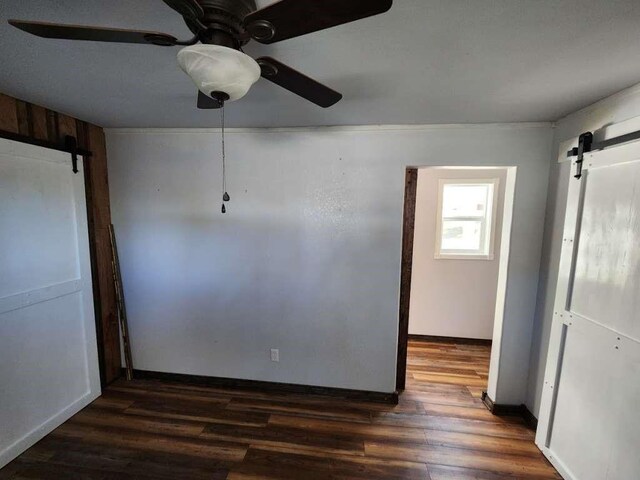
[(298, 83), (207, 103), (95, 34), (292, 18), (187, 8)]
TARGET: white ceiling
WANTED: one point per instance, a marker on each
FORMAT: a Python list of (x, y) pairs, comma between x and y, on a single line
[(425, 61)]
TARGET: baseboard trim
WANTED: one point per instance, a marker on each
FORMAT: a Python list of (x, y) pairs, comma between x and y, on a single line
[(504, 410), (529, 418), (459, 340), (262, 386)]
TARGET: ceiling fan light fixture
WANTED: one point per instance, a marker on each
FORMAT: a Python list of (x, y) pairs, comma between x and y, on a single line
[(214, 68)]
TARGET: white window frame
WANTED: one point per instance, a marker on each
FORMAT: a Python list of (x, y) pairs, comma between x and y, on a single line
[(461, 255)]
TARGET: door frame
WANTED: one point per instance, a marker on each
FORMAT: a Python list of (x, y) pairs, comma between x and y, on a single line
[(30, 123), (408, 226)]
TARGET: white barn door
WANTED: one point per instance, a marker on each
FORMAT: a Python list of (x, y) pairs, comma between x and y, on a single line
[(590, 415), (48, 352)]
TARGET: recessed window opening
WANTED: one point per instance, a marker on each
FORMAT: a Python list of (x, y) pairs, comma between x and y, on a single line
[(466, 215)]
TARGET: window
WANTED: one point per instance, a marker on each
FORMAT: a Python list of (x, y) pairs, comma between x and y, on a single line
[(466, 219)]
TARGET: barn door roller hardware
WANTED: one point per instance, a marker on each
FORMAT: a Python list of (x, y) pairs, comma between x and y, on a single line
[(586, 144), (69, 145)]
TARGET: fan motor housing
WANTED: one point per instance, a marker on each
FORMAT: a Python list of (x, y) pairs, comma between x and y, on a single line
[(223, 19), (238, 8)]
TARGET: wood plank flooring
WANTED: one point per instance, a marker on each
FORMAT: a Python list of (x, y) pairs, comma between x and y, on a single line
[(440, 430)]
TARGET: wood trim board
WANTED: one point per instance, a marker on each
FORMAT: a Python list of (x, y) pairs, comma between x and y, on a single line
[(451, 340), (262, 386), (408, 225), (503, 410)]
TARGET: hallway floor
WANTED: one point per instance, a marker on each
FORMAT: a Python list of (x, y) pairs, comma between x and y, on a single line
[(440, 430)]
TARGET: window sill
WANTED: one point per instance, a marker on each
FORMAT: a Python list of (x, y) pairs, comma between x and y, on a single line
[(462, 256)]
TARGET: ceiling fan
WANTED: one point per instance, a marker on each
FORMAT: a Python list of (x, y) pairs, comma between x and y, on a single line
[(218, 66)]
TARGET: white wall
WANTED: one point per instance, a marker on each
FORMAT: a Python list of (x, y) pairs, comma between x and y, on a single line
[(307, 259), (604, 120), (452, 297)]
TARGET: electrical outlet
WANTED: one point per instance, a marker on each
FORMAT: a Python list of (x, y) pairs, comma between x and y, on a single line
[(275, 355)]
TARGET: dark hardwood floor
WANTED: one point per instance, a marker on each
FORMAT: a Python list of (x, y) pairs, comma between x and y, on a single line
[(440, 430)]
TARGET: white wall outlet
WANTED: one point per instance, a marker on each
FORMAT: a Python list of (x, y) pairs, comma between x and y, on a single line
[(275, 355)]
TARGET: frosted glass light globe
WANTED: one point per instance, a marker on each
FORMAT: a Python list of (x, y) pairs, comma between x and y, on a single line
[(219, 69)]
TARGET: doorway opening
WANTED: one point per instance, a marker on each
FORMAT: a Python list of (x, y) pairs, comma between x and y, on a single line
[(456, 232)]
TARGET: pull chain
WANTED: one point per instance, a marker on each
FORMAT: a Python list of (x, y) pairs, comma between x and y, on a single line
[(225, 196)]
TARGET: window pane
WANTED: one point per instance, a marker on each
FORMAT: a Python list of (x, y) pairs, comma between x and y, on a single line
[(461, 235), (465, 200)]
